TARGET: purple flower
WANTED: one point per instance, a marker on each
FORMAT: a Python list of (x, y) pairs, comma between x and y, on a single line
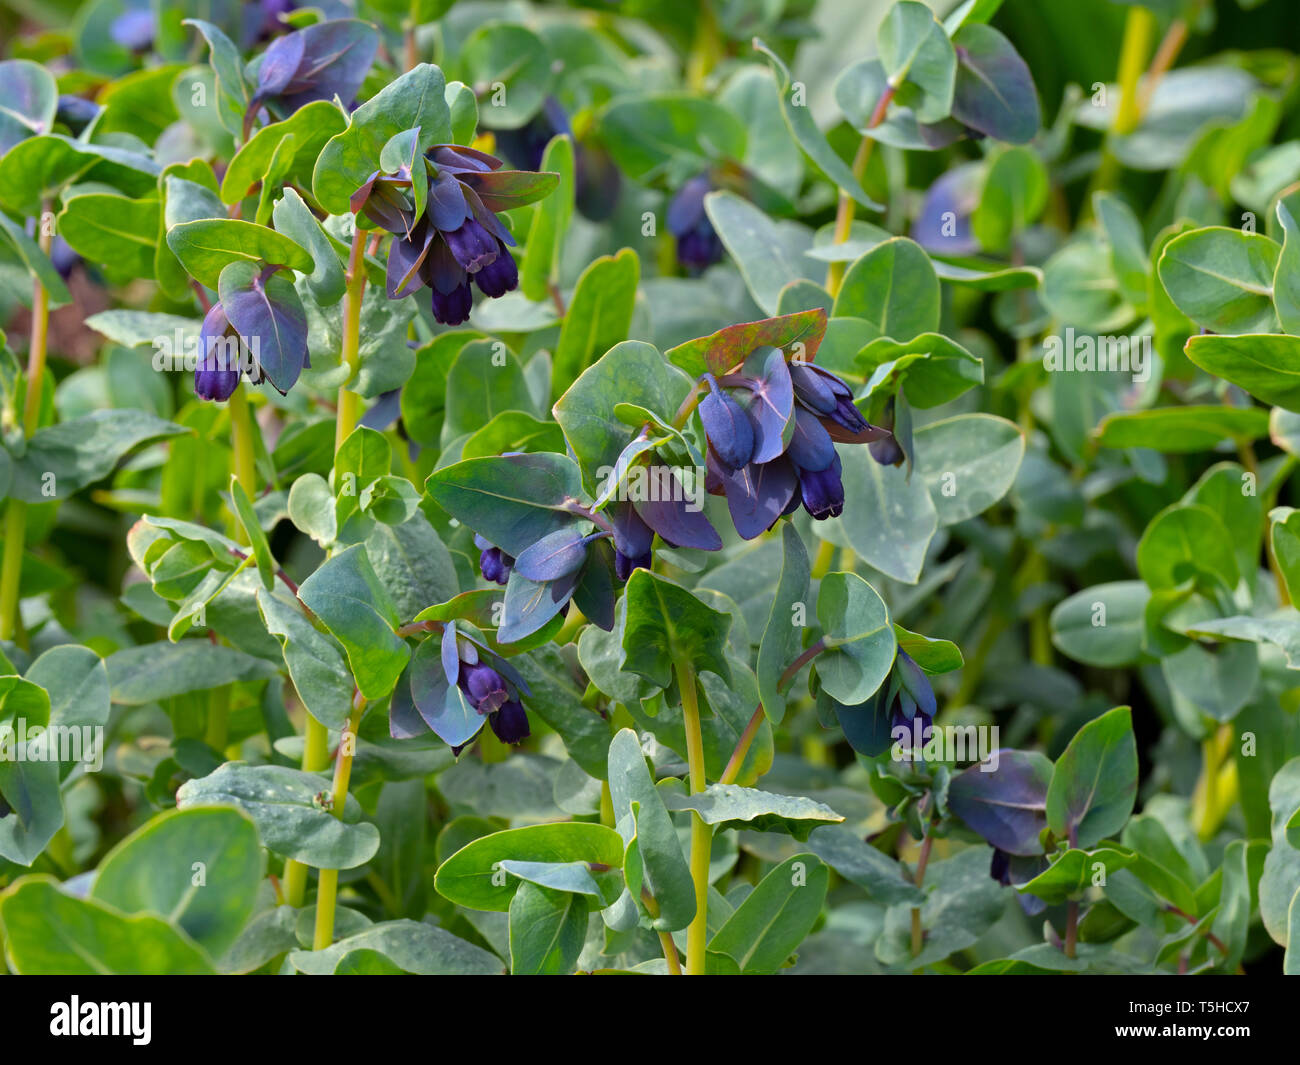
[(217, 375), (493, 563), (133, 29), (822, 491), (472, 246), (484, 686), (510, 723), (698, 244), (499, 276)]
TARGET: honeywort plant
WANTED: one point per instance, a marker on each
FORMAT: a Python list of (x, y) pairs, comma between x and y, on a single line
[(674, 488)]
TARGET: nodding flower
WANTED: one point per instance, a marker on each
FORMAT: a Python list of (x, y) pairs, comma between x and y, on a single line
[(215, 378), (698, 243), (493, 563), (458, 242), (771, 429)]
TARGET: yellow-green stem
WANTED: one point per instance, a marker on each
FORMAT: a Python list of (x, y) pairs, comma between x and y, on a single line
[(1139, 31), (243, 441), (16, 513), (218, 731), (328, 890), (350, 353), (844, 215), (701, 834)]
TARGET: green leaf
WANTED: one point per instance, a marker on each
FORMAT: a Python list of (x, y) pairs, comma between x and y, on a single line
[(781, 640), (1014, 195), (312, 508), (1128, 247), (1186, 542), (888, 519), (879, 875), (1102, 625), (1286, 277), (37, 262), (919, 59), (285, 806), (1265, 365), (541, 266), (768, 254), (669, 134), (630, 372), (929, 370), (598, 317), (347, 596), (50, 933), (311, 126), (471, 877), (894, 287), (207, 246), (798, 116), (294, 219), (1094, 783), (968, 463), (654, 862), (198, 869), (1074, 872), (156, 671), (1222, 279), (315, 661), (1179, 430), (30, 102), (114, 230), (37, 169), (667, 625), (416, 99), (773, 920), (413, 946), (513, 57), (547, 931), (730, 806), (859, 638), (513, 501), (253, 530)]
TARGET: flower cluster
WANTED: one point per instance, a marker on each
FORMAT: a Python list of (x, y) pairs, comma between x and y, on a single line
[(455, 692), (441, 208), (772, 430)]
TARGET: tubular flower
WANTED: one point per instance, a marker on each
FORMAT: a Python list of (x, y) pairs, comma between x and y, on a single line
[(217, 375), (698, 244), (441, 208), (493, 563), (772, 428), (490, 694)]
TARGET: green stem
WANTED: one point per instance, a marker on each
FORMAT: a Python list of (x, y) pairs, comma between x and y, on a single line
[(847, 206), (701, 835), (242, 440), (315, 751), (918, 936), (218, 732), (350, 402), (1139, 31), (328, 890), (16, 513)]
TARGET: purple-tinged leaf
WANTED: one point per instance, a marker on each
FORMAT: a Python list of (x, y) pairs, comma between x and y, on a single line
[(449, 653), (405, 257), (797, 334), (265, 310), (678, 524), (728, 428), (995, 91), (555, 555), (771, 402), (279, 64), (531, 604), (757, 495), (504, 190), (1007, 806), (447, 207), (811, 447)]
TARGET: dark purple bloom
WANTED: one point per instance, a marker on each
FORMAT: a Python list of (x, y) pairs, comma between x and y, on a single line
[(886, 451), (63, 257), (499, 276), (493, 563), (698, 244), (484, 686), (727, 425), (1000, 867), (76, 112), (217, 375), (510, 723), (816, 389), (452, 308), (472, 246), (822, 491)]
